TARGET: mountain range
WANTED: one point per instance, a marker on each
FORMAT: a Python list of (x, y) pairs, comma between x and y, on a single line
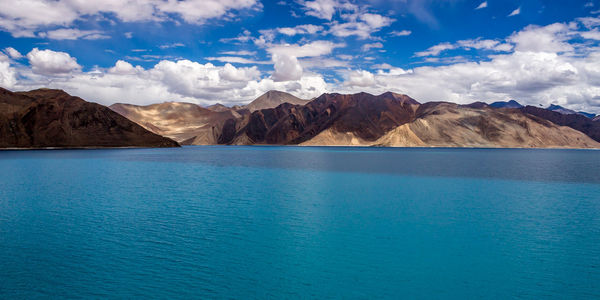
[(52, 118)]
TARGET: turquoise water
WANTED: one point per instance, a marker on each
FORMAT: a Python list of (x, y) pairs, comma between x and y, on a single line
[(286, 222)]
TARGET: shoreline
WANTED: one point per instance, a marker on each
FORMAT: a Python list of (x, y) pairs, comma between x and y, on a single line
[(298, 146)]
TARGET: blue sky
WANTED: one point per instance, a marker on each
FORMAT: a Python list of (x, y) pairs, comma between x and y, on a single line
[(230, 51)]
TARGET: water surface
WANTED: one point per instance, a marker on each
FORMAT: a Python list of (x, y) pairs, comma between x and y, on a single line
[(288, 222)]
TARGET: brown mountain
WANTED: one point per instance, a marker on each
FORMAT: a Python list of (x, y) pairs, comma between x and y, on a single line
[(48, 118), (272, 99), (575, 121), (186, 123), (451, 125), (218, 107), (368, 117)]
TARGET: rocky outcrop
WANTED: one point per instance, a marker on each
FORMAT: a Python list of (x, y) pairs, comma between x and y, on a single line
[(48, 118)]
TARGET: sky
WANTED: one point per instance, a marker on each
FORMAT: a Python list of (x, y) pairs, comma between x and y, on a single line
[(538, 52)]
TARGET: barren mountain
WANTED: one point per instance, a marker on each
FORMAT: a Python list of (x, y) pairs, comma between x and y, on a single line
[(52, 118), (452, 125), (186, 123), (366, 116), (218, 107), (272, 99), (575, 121)]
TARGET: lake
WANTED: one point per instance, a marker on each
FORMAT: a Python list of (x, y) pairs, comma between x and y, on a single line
[(300, 222)]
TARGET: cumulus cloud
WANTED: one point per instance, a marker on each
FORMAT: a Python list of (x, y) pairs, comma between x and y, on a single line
[(551, 38), (8, 75), (231, 73), (181, 80), (31, 15), (48, 62), (286, 68), (483, 4), (360, 78)]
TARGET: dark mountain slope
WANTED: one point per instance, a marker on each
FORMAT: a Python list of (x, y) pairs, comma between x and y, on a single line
[(52, 118)]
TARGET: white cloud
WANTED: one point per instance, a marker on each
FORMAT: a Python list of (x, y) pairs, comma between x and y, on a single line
[(323, 9), (8, 75), (483, 4), (239, 53), (367, 47), (515, 12), (50, 62), (238, 60), (172, 45), (31, 15), (128, 35), (360, 78), (477, 44), (436, 50), (13, 53), (401, 33), (363, 26), (73, 34), (312, 49), (124, 68), (231, 73), (181, 80), (551, 38), (300, 29), (286, 68)]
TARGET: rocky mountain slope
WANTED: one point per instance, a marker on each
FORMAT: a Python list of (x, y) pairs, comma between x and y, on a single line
[(47, 118)]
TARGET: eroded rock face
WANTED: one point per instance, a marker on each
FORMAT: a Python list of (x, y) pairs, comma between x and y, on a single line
[(52, 118)]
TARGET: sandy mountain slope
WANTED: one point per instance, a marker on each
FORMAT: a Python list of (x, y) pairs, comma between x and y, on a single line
[(451, 125), (186, 123)]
